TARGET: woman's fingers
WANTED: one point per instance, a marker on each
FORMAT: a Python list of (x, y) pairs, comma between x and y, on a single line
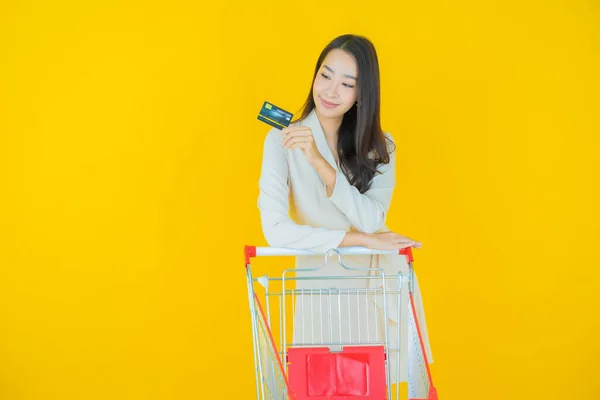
[(290, 142), (289, 136), (294, 143), (296, 131), (405, 245), (295, 128), (403, 242), (393, 241)]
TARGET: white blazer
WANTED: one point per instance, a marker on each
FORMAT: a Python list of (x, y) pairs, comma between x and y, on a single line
[(290, 185)]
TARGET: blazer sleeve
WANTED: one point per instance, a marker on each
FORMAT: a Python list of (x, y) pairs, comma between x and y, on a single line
[(367, 211), (273, 202)]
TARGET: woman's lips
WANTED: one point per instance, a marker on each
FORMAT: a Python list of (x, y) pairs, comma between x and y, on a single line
[(328, 104)]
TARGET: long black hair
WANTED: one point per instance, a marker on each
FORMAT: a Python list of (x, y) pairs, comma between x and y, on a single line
[(360, 132)]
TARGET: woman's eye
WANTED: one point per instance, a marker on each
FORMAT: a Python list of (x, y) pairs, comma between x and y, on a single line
[(324, 76), (348, 85)]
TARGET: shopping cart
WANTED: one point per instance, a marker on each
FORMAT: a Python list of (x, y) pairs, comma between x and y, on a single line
[(318, 358)]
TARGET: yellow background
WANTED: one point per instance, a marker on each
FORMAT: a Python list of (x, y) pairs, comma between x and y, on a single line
[(130, 154)]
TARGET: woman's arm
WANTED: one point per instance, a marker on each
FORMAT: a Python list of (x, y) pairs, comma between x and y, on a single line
[(281, 231), (367, 211), (273, 202), (355, 239)]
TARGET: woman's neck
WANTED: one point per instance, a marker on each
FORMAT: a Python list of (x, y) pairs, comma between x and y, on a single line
[(331, 127)]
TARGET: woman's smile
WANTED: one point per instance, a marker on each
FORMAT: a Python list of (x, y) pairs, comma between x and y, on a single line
[(328, 104)]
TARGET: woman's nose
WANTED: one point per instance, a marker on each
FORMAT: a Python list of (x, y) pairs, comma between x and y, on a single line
[(331, 91)]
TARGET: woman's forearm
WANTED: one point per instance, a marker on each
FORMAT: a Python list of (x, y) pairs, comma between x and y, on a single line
[(355, 239), (327, 174)]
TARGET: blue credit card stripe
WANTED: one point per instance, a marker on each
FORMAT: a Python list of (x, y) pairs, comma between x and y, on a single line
[(275, 122)]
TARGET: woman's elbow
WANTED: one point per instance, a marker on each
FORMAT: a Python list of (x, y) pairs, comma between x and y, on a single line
[(273, 238), (274, 241), (275, 235), (370, 229), (372, 225)]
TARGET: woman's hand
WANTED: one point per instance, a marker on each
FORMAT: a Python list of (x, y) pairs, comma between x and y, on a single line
[(389, 241), (301, 137)]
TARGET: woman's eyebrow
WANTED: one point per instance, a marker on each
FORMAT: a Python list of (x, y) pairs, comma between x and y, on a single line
[(332, 71)]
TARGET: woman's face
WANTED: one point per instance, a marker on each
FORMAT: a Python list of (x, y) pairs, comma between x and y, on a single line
[(335, 87)]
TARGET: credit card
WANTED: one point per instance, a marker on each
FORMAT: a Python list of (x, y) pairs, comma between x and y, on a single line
[(274, 116)]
